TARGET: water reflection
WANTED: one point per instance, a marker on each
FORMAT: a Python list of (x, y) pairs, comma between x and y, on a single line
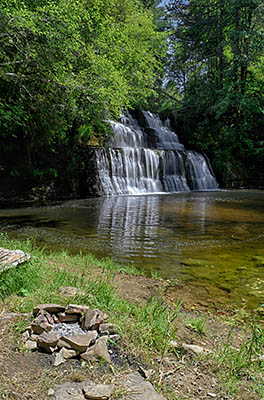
[(130, 224)]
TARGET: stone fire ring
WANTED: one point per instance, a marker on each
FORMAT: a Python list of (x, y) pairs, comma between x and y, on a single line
[(75, 331)]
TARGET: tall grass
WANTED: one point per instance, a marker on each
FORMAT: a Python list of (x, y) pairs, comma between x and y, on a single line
[(237, 364)]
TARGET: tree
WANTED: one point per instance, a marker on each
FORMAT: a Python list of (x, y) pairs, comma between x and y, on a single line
[(215, 65), (67, 65)]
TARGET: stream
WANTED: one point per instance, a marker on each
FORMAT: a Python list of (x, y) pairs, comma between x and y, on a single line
[(212, 240)]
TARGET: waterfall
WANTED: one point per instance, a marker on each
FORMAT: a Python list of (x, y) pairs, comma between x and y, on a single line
[(147, 157)]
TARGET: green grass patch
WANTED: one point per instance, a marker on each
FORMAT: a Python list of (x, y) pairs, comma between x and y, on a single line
[(197, 324), (243, 363)]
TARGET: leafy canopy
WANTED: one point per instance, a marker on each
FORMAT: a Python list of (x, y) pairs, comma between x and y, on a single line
[(66, 64)]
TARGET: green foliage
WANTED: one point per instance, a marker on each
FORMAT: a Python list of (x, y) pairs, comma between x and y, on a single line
[(242, 362), (216, 65), (156, 324), (197, 325), (67, 65)]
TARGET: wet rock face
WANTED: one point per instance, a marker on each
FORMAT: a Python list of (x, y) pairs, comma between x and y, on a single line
[(75, 331)]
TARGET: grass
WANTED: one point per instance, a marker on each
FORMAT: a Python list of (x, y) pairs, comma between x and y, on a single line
[(242, 363), (146, 329), (39, 281), (197, 324)]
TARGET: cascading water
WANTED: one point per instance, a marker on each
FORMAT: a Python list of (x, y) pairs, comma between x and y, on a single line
[(149, 159)]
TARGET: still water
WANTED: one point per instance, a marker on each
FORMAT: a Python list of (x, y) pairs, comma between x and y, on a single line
[(210, 240)]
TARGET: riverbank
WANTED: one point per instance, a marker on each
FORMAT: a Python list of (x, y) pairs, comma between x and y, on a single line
[(155, 331)]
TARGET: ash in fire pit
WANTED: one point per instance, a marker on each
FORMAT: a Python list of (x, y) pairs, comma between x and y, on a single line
[(75, 331), (68, 329)]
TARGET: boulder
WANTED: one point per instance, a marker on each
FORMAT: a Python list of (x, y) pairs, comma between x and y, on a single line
[(58, 360), (11, 258), (68, 291), (68, 391), (68, 353), (62, 343), (63, 355)]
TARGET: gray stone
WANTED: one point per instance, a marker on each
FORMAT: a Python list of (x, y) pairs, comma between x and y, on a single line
[(192, 348), (55, 319), (108, 329), (49, 317), (59, 359), (98, 351), (92, 319), (9, 316), (68, 353), (11, 258), (50, 308), (39, 327), (76, 308), (68, 291), (31, 344), (25, 335), (70, 390), (63, 343), (41, 318), (34, 337), (136, 388), (79, 343), (65, 317), (98, 392), (47, 341)]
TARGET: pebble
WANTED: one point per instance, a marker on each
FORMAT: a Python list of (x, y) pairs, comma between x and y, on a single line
[(51, 392)]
